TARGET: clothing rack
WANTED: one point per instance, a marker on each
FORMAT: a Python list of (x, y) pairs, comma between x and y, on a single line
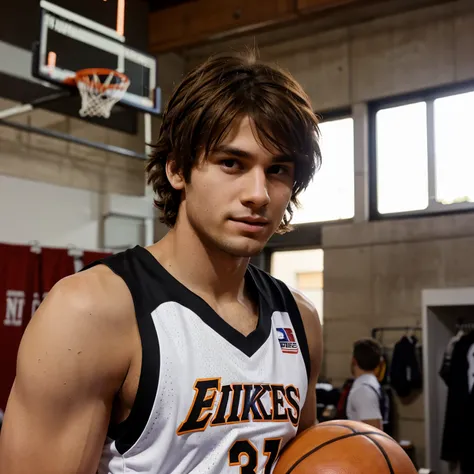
[(466, 326), (73, 251), (382, 329)]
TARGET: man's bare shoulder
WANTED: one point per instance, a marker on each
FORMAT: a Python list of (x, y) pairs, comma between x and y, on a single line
[(90, 311), (72, 361), (97, 293)]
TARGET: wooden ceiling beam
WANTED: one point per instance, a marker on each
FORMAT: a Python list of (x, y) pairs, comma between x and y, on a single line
[(197, 22)]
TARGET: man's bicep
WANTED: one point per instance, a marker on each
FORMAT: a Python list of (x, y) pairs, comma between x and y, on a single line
[(58, 409), (37, 438), (308, 412)]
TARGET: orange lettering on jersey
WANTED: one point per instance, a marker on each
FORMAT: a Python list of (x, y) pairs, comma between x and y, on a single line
[(214, 405), (203, 401), (292, 395), (279, 411)]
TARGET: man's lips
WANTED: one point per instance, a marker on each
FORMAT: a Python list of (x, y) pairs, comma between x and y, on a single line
[(257, 221)]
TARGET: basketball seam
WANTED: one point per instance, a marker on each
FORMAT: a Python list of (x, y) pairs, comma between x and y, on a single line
[(344, 426), (341, 425), (326, 443), (377, 434), (385, 455)]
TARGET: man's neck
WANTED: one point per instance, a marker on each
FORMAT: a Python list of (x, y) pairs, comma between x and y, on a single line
[(358, 372), (205, 271)]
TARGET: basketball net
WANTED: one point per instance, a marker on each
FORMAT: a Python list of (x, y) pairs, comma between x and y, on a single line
[(100, 90)]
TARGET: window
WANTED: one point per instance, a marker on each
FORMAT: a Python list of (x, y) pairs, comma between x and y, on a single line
[(402, 157), (330, 196), (454, 148), (424, 156), (302, 270)]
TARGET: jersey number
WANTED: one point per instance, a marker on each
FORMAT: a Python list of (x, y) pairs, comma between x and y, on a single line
[(244, 451)]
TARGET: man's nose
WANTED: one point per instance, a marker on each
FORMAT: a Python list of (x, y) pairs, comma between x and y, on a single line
[(255, 193)]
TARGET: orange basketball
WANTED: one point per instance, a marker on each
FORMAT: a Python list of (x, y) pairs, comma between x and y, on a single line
[(344, 447)]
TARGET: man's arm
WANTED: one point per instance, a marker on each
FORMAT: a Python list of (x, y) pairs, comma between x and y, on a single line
[(312, 326), (365, 404), (72, 360)]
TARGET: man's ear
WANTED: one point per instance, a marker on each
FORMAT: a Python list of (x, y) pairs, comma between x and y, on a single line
[(175, 176)]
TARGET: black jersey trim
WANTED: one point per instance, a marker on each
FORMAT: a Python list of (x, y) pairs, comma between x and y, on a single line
[(128, 432), (177, 291), (297, 321)]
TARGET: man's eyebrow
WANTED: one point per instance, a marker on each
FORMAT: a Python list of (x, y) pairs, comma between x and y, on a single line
[(239, 153), (231, 150), (283, 159)]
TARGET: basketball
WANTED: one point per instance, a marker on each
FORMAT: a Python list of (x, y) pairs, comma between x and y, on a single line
[(344, 447)]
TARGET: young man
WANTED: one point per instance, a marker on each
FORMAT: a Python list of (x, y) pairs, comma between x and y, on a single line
[(182, 357), (365, 397)]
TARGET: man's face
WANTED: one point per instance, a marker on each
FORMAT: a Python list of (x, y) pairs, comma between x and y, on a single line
[(237, 197)]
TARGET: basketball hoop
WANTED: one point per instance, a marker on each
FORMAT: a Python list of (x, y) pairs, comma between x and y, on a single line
[(100, 90)]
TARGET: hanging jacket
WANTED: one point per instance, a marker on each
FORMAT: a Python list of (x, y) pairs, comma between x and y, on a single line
[(458, 435), (405, 371), (446, 364)]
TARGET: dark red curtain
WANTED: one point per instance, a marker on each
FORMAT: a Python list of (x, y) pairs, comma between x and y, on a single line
[(18, 283), (26, 278), (55, 264)]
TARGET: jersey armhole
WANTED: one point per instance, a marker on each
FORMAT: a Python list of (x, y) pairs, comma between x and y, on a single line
[(297, 321), (128, 432)]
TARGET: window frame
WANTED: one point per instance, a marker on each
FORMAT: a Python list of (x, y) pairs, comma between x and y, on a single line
[(428, 96), (309, 235)]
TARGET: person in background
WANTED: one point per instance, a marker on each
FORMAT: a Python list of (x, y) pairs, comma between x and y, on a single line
[(365, 399)]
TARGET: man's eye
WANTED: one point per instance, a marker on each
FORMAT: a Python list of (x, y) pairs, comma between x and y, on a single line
[(230, 164), (278, 169)]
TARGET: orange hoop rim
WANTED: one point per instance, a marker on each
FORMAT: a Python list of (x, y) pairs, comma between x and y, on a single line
[(83, 76)]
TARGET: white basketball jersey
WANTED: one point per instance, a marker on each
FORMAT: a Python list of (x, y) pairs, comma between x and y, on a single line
[(210, 400)]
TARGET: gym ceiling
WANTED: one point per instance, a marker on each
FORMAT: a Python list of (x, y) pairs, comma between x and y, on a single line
[(177, 25)]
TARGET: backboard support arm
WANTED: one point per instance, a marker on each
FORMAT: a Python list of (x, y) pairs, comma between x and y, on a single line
[(149, 236), (72, 139), (25, 108)]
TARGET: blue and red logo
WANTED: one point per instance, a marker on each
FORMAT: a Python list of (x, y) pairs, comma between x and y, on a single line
[(287, 340)]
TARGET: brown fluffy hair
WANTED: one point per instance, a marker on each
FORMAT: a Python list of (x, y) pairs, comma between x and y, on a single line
[(207, 103)]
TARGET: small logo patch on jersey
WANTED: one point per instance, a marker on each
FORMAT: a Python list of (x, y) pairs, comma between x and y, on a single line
[(287, 341)]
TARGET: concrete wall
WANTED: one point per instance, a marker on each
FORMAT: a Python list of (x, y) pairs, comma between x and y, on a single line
[(374, 272), (391, 55), (62, 216), (27, 156), (35, 157), (381, 269), (41, 178), (54, 215)]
